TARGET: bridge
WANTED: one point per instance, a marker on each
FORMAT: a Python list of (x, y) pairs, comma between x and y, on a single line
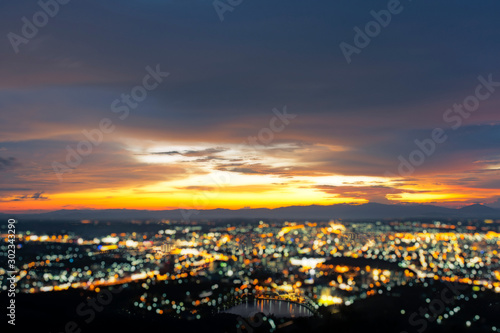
[(289, 298)]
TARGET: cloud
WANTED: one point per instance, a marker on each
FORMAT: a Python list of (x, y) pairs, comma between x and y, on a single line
[(8, 163), (262, 169), (495, 203), (193, 153), (109, 166), (35, 196), (371, 193), (257, 188)]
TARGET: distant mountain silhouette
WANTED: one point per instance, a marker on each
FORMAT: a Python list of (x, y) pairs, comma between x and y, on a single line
[(478, 208), (339, 211)]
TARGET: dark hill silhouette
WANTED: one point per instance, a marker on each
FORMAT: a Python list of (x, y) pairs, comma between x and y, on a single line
[(344, 211)]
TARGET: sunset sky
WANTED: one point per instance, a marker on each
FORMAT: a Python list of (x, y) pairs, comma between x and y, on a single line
[(212, 133)]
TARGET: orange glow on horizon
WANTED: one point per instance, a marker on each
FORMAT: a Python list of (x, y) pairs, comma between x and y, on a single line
[(169, 196)]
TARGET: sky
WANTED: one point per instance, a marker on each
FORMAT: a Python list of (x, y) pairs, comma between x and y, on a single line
[(230, 104)]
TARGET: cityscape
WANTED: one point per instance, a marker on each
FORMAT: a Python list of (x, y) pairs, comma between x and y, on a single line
[(237, 166), (283, 271)]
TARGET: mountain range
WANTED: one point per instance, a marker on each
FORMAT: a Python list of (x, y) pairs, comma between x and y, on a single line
[(314, 212)]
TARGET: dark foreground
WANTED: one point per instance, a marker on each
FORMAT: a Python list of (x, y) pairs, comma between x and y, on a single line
[(56, 312)]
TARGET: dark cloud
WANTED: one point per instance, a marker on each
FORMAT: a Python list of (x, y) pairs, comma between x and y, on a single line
[(167, 153), (282, 171), (8, 163), (371, 193), (495, 203), (193, 153), (34, 196)]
